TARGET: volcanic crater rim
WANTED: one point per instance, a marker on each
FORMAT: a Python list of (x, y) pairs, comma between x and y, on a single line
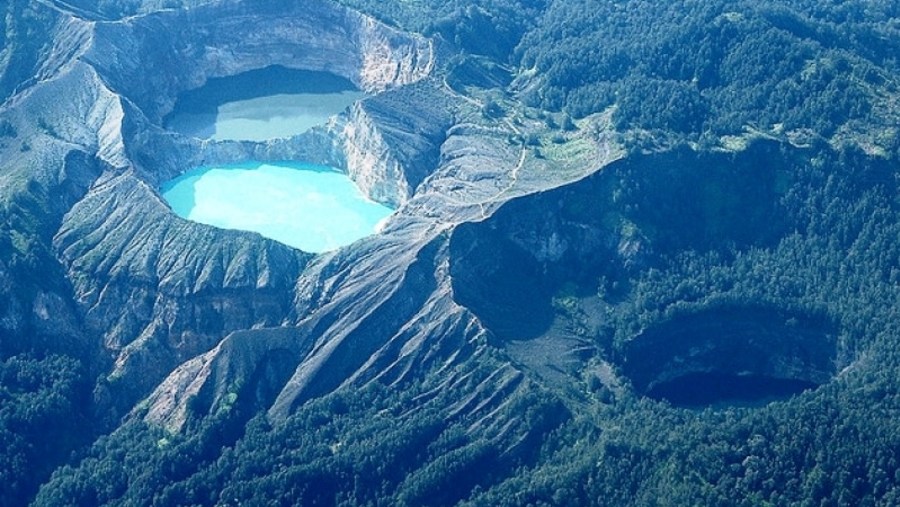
[(732, 355)]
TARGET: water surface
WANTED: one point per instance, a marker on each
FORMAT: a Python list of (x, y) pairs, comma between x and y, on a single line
[(310, 207), (259, 105)]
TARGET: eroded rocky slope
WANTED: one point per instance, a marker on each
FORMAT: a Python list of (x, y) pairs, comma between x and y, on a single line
[(152, 289), (529, 269)]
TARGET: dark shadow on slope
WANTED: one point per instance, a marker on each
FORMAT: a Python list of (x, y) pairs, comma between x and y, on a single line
[(732, 356), (272, 80), (606, 229), (698, 390), (501, 283)]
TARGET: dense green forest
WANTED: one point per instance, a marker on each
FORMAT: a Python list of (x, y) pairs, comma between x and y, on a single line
[(702, 68), (820, 80), (484, 27), (41, 419), (836, 445), (695, 66), (23, 36)]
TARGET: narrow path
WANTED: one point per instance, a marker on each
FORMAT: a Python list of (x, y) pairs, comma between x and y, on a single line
[(514, 175), (470, 100)]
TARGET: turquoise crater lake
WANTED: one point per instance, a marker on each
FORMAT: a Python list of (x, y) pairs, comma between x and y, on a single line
[(310, 207)]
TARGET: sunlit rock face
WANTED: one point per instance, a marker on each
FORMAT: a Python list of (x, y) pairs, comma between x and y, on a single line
[(151, 59)]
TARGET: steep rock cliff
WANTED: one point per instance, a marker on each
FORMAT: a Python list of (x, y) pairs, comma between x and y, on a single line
[(385, 309), (392, 141), (138, 55)]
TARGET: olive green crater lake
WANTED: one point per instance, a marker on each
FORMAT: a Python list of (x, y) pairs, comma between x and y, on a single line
[(263, 104)]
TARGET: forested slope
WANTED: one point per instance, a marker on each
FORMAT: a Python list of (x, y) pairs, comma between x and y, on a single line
[(690, 67), (699, 67), (750, 235)]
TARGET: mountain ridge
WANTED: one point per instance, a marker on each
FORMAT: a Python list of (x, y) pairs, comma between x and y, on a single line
[(503, 341)]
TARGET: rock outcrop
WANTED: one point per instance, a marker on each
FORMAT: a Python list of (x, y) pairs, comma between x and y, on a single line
[(391, 147), (161, 289), (385, 308)]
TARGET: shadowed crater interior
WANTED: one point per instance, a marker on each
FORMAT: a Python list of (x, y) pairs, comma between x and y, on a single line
[(731, 356), (562, 270), (612, 225)]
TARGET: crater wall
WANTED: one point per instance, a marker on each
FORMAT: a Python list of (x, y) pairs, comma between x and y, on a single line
[(156, 289), (152, 58)]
